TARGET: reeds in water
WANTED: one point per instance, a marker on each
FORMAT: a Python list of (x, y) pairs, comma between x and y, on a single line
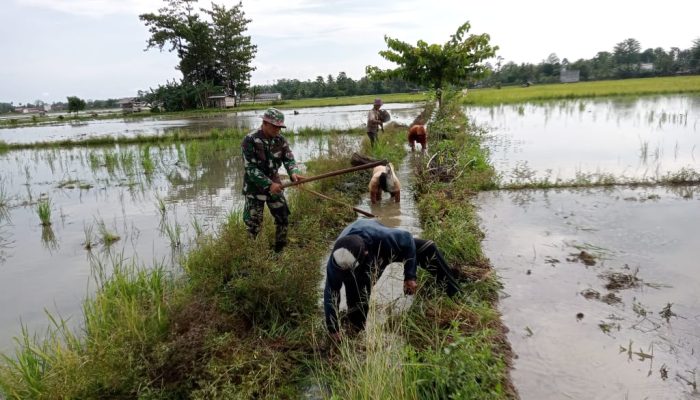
[(43, 209)]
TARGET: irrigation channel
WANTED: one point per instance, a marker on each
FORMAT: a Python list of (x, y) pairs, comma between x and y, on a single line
[(600, 283), (143, 203)]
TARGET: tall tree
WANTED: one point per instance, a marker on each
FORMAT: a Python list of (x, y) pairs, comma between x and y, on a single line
[(626, 55), (603, 65), (177, 25), (458, 62), (695, 55), (75, 104), (233, 50)]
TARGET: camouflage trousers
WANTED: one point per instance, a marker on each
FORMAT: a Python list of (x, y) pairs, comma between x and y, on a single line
[(254, 211)]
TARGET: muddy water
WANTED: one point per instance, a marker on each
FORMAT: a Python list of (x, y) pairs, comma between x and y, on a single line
[(575, 338), (387, 293), (109, 187), (343, 117), (642, 138)]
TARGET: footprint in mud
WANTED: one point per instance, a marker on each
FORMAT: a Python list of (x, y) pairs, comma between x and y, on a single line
[(592, 294), (551, 260), (585, 257), (620, 281)]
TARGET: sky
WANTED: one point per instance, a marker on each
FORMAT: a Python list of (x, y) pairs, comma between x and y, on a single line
[(94, 49)]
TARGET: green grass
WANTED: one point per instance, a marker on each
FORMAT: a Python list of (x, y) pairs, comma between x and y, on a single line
[(244, 322), (527, 180), (102, 141), (625, 87), (239, 323), (107, 236), (43, 209)]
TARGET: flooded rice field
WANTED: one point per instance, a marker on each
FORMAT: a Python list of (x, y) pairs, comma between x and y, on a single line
[(143, 204), (341, 117), (600, 290), (600, 284), (587, 140)]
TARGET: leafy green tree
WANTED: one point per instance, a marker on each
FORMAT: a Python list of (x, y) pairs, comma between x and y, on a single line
[(6, 107), (584, 68), (179, 27), (75, 104), (602, 65), (458, 62), (663, 61), (694, 61), (233, 50), (626, 56), (319, 87), (346, 86)]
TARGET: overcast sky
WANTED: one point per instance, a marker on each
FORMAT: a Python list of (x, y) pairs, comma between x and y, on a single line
[(94, 49)]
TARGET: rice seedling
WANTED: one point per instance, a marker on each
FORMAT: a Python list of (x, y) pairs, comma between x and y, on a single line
[(197, 226), (95, 161), (90, 238), (111, 161), (161, 206), (173, 232), (192, 153), (147, 161), (108, 237), (127, 163), (4, 201), (644, 151), (43, 209)]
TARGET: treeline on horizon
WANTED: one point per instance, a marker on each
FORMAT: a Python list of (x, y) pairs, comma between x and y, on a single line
[(60, 105), (626, 60)]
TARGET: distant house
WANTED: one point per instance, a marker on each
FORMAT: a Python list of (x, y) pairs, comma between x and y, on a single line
[(569, 75), (261, 98), (29, 110), (222, 101), (132, 104), (646, 66)]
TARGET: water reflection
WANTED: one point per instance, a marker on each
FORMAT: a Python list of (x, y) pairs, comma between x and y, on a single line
[(622, 139), (48, 239), (600, 289)]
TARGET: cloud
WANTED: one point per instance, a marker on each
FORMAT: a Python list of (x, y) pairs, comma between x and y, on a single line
[(95, 8)]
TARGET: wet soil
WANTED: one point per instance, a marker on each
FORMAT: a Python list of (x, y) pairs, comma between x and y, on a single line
[(625, 326)]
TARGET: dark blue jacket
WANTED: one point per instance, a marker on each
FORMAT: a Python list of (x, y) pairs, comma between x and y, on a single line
[(385, 246)]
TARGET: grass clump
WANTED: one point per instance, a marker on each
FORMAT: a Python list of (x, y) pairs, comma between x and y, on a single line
[(107, 236), (43, 209)]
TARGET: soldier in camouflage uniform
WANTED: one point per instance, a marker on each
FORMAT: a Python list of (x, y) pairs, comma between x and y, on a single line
[(264, 152)]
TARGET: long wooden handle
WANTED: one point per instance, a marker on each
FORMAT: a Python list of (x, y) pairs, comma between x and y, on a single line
[(335, 173), (323, 196)]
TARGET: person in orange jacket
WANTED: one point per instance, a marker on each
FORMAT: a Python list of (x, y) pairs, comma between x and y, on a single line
[(417, 133)]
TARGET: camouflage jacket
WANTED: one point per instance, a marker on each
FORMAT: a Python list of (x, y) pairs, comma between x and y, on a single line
[(262, 159)]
